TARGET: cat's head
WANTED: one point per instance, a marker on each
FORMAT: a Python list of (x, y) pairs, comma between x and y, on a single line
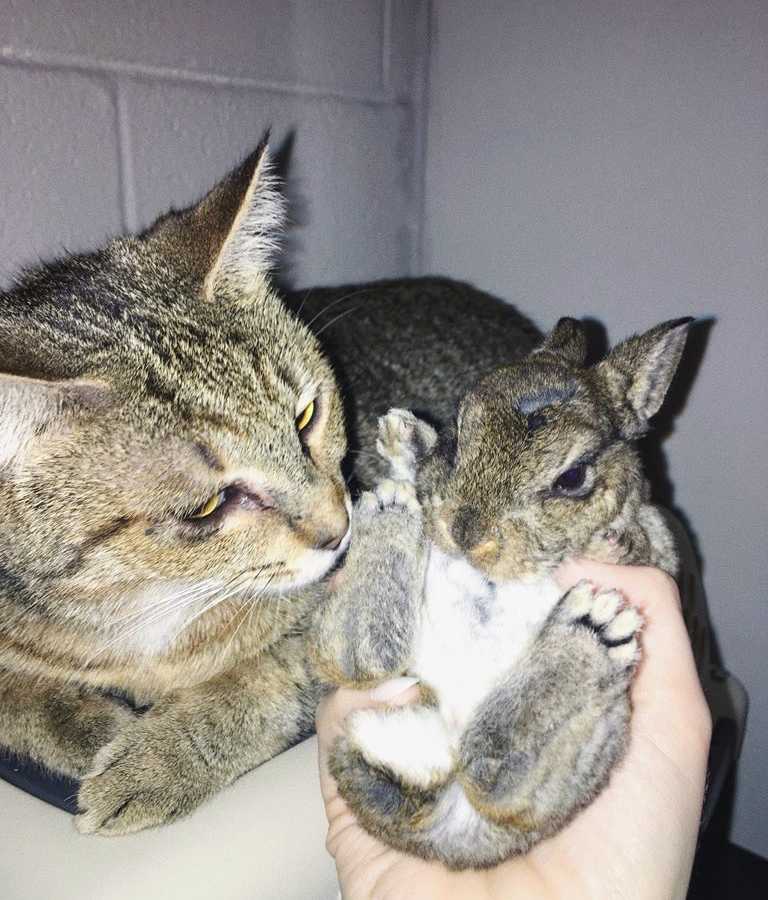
[(166, 423), (540, 461)]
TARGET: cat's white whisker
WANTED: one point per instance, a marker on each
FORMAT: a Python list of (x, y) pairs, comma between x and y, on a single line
[(210, 595), (335, 319), (236, 588), (156, 613), (162, 602), (251, 606), (192, 590), (304, 301), (336, 302)]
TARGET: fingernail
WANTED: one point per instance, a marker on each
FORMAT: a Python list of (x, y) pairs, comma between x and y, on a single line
[(389, 689)]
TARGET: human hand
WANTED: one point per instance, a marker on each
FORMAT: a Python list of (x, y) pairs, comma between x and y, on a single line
[(636, 840)]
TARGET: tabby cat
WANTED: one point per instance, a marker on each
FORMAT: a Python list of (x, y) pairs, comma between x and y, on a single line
[(171, 490)]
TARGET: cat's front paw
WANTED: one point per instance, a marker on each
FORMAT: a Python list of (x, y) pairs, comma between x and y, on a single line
[(403, 440), (150, 774)]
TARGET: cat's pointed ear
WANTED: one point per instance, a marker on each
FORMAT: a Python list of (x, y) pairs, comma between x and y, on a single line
[(229, 239), (248, 210), (639, 371), (31, 407), (568, 339)]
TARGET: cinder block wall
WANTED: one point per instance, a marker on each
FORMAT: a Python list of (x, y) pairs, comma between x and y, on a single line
[(115, 110)]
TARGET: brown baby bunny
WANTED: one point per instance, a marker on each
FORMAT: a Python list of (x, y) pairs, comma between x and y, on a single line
[(525, 692)]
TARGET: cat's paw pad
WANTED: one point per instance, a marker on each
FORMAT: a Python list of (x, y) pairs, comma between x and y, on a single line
[(607, 615), (403, 440)]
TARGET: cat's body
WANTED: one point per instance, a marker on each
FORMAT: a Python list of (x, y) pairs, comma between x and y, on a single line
[(166, 513), (525, 691)]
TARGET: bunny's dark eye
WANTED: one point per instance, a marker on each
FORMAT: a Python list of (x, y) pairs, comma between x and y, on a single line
[(572, 481)]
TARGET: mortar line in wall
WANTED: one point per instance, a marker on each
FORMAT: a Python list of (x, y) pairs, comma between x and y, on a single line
[(420, 100), (125, 161), (88, 65)]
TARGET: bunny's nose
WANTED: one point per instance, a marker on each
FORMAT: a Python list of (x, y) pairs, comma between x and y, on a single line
[(467, 528)]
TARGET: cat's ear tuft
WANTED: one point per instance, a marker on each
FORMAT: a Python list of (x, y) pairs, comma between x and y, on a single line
[(250, 201), (32, 407), (568, 339), (639, 371), (229, 240)]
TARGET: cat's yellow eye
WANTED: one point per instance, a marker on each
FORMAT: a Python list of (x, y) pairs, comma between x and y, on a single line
[(305, 416), (210, 506)]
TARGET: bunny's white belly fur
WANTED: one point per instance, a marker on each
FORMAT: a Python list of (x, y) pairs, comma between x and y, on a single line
[(471, 632)]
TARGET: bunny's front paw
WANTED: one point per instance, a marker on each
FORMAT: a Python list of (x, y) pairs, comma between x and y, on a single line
[(362, 633), (388, 495), (403, 441)]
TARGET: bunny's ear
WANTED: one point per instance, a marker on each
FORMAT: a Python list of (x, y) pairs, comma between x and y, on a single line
[(31, 407), (638, 372), (569, 340)]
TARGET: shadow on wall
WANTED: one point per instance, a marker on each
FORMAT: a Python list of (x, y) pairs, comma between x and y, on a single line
[(297, 208), (651, 451)]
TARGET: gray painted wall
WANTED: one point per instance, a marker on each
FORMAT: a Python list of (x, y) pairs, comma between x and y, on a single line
[(600, 158), (114, 110), (608, 158)]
